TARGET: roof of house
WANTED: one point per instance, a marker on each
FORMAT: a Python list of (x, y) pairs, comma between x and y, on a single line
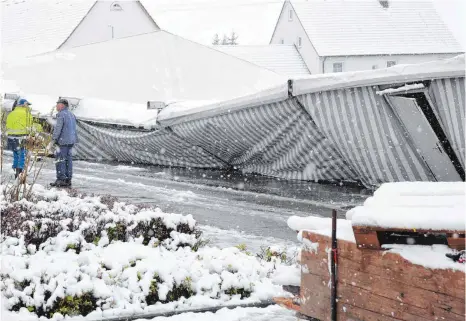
[(32, 27), (165, 68), (282, 59), (348, 27), (252, 20)]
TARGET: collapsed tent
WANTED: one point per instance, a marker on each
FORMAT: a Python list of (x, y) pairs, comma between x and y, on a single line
[(404, 123), (400, 124)]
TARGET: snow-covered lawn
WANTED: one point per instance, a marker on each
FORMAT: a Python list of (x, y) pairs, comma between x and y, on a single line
[(77, 255)]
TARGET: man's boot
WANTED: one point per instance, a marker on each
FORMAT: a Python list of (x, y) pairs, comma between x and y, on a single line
[(68, 182), (59, 183)]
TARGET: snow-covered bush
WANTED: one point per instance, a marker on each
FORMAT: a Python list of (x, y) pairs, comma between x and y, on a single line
[(71, 255), (47, 214)]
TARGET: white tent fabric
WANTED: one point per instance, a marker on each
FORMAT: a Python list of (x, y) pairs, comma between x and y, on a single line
[(156, 66)]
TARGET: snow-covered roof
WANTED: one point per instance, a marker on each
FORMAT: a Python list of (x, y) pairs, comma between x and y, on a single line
[(346, 27), (32, 27), (156, 66), (197, 20), (445, 68), (283, 59)]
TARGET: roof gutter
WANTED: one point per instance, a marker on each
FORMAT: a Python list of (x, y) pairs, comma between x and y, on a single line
[(323, 65)]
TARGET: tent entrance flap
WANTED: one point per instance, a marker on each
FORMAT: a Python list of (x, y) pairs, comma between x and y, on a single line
[(426, 141)]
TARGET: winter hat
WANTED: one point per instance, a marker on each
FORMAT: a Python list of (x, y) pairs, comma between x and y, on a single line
[(23, 102)]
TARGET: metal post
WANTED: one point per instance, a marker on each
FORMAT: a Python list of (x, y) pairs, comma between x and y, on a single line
[(333, 265)]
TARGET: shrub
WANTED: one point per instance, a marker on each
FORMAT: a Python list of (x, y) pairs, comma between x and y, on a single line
[(73, 305)]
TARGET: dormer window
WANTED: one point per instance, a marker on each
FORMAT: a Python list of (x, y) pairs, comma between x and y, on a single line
[(384, 4), (115, 6)]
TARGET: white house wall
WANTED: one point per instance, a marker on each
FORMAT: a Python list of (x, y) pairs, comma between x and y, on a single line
[(288, 32), (356, 63), (102, 23)]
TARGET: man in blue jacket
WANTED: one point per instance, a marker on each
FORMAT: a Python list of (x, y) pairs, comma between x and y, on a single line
[(64, 136)]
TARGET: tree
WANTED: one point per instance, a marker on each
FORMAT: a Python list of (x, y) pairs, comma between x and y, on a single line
[(216, 40), (233, 38)]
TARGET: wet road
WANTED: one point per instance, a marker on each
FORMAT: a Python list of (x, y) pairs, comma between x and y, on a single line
[(231, 208)]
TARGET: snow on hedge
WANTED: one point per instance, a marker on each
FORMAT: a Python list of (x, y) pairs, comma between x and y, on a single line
[(73, 255)]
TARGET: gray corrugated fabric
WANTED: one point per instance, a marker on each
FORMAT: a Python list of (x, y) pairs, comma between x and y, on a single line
[(349, 134), (98, 142), (366, 132), (277, 139), (449, 96)]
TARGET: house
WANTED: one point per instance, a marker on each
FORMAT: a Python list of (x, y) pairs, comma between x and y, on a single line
[(282, 59), (345, 35), (32, 27)]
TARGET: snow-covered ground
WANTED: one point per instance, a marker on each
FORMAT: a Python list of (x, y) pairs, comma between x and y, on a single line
[(230, 211), (58, 246)]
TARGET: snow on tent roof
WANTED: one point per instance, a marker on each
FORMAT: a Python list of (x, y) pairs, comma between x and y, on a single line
[(32, 27), (342, 27), (252, 21), (283, 59), (156, 66), (453, 67)]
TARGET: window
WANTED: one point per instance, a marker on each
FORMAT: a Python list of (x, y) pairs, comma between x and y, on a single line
[(300, 42), (290, 16), (115, 6), (391, 64), (338, 67), (375, 67)]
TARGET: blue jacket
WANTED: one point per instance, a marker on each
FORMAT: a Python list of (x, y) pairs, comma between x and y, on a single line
[(64, 132)]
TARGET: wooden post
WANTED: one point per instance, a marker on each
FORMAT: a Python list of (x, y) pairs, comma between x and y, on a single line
[(333, 263)]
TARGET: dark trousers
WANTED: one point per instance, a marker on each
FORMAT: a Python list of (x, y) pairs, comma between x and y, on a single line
[(64, 162)]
